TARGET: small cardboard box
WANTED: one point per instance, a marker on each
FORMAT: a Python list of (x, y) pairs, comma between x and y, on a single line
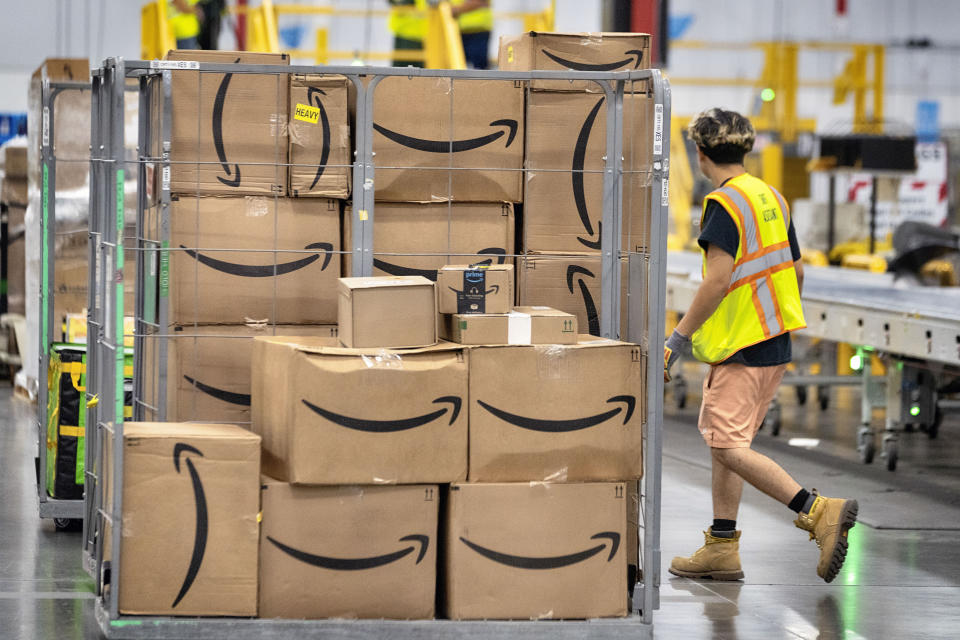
[(189, 543), (320, 144), (567, 413), (475, 288), (330, 415), (535, 551), (522, 326), (348, 552), (229, 130), (422, 149), (546, 51), (248, 258), (15, 162), (419, 238), (208, 370), (566, 150), (570, 282), (387, 311)]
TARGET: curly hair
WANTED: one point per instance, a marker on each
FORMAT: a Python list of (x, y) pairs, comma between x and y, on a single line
[(724, 136)]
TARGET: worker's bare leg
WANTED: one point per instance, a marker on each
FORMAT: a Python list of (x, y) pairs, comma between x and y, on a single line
[(757, 469), (727, 487)]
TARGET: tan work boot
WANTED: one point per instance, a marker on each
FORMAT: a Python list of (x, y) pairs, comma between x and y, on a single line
[(828, 522), (719, 559)]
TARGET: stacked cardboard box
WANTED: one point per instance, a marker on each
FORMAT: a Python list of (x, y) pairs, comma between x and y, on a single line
[(13, 203), (448, 157), (565, 160), (259, 166)]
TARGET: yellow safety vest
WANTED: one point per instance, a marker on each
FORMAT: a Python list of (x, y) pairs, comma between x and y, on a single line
[(763, 300), (474, 21), (409, 21), (184, 25)]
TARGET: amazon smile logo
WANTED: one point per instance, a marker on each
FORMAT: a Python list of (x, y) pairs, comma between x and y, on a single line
[(431, 274), (635, 54), (577, 176), (565, 426), (266, 270), (233, 175), (390, 426), (356, 564), (200, 501), (454, 146), (242, 399), (593, 320), (549, 562), (494, 288), (313, 97)]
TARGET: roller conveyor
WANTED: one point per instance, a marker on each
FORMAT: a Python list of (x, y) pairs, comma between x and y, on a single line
[(871, 310)]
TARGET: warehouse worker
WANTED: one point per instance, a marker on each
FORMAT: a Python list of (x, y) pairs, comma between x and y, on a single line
[(184, 17), (740, 322), (475, 18), (408, 23)]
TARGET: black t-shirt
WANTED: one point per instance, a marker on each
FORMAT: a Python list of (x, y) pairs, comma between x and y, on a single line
[(719, 229)]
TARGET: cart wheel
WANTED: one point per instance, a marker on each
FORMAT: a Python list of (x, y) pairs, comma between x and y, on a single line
[(801, 395), (68, 524), (771, 421), (907, 427), (934, 427), (823, 397), (867, 452), (891, 452)]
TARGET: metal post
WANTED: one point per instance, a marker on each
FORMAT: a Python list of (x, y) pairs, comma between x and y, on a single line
[(48, 238), (610, 235), (831, 213), (656, 305), (163, 293), (363, 213), (873, 213)]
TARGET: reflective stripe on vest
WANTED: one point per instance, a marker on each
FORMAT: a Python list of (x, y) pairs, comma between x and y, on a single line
[(763, 299)]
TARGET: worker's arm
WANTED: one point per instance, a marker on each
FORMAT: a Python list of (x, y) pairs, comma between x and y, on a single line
[(711, 291), (469, 5), (798, 267), (708, 297)]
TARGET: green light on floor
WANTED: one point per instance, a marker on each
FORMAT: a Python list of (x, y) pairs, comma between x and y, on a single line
[(914, 411), (856, 362), (767, 95)]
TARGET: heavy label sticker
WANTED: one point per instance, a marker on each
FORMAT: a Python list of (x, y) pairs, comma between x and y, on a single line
[(306, 113), (174, 64)]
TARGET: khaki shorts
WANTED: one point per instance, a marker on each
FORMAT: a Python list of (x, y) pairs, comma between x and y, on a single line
[(735, 401)]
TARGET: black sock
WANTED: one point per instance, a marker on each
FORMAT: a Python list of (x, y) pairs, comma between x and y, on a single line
[(802, 501), (723, 528)]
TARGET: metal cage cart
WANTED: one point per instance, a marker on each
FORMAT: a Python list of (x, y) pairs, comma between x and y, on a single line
[(645, 270), (65, 511)]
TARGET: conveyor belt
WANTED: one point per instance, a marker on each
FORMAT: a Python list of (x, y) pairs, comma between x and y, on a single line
[(845, 305)]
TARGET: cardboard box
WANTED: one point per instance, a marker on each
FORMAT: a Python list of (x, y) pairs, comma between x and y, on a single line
[(190, 534), (465, 288), (566, 146), (535, 551), (331, 415), (415, 132), (14, 162), (571, 283), (70, 123), (296, 239), (208, 370), (567, 413), (546, 51), (228, 121), (348, 552), (429, 236), (320, 143), (13, 191), (522, 326), (387, 311)]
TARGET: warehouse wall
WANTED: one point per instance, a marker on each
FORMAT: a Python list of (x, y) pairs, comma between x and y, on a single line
[(911, 74)]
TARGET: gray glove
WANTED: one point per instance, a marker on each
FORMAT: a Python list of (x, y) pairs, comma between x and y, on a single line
[(676, 346)]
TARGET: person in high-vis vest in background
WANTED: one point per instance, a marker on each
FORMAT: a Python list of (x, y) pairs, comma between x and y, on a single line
[(184, 17), (739, 323), (475, 18), (408, 23)]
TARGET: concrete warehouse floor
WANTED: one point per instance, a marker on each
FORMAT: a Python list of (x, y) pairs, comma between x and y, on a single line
[(901, 579)]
